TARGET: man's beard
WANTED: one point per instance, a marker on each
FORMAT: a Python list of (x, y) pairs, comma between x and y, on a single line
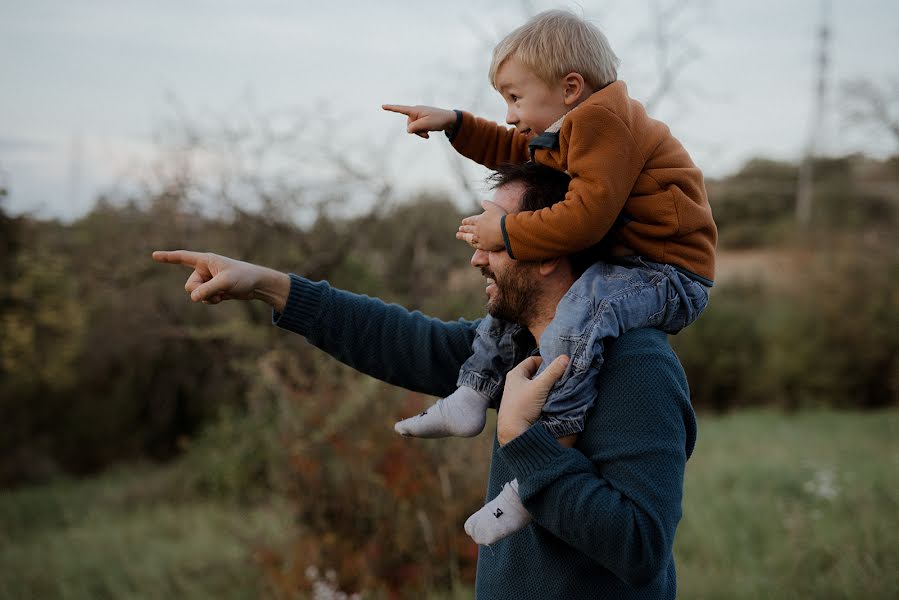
[(515, 297)]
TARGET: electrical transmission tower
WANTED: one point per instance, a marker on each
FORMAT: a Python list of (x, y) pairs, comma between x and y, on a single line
[(816, 122)]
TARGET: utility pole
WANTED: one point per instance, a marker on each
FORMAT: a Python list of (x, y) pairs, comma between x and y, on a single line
[(73, 191), (816, 122)]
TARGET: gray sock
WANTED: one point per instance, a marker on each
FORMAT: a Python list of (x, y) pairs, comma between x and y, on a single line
[(502, 516), (462, 414)]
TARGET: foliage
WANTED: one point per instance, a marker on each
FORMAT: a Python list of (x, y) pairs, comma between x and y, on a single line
[(751, 205), (124, 536), (791, 506), (776, 506), (103, 359), (382, 512), (755, 207), (828, 337)]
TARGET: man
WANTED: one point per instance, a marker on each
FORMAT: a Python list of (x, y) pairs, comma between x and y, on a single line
[(605, 512)]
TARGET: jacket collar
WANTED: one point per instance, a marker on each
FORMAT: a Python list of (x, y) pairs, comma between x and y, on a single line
[(549, 138)]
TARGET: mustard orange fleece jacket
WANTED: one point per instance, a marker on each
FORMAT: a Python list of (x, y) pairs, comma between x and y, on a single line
[(629, 176)]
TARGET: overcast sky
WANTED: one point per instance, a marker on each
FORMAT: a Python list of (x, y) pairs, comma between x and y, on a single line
[(85, 85)]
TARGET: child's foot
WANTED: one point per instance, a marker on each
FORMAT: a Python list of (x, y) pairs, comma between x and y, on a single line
[(502, 516), (462, 414)]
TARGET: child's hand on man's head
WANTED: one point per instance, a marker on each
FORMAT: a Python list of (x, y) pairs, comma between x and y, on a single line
[(484, 231), (423, 119)]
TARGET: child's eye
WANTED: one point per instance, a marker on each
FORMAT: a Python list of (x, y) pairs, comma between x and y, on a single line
[(513, 98)]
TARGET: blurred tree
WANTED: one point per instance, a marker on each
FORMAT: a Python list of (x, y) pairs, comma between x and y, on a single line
[(9, 247), (40, 339), (752, 206), (721, 352), (873, 107), (673, 50)]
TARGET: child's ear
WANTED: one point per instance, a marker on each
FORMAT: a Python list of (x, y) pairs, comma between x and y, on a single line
[(573, 86)]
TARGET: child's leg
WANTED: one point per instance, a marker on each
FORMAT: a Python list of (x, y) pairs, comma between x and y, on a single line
[(605, 302), (499, 518), (505, 514), (463, 413)]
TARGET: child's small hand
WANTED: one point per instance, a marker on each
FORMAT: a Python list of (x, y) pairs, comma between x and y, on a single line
[(423, 119), (483, 231)]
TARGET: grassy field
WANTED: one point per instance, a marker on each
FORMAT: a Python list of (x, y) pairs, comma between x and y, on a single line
[(792, 506), (777, 506), (123, 536)]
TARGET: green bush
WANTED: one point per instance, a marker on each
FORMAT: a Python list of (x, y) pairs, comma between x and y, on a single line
[(721, 352), (830, 337)]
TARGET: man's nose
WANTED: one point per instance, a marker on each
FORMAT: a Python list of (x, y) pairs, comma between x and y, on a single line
[(479, 258)]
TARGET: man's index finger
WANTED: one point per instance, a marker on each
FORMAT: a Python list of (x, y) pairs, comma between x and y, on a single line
[(178, 257)]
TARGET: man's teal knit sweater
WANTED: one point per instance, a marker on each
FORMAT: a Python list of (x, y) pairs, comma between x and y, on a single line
[(605, 512)]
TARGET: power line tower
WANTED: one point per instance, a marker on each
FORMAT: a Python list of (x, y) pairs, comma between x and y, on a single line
[(816, 122), (73, 191)]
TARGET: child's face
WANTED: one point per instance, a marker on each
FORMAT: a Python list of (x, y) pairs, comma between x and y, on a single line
[(533, 105)]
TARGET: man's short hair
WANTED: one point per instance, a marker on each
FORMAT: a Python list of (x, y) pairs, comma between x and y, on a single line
[(544, 187), (556, 43)]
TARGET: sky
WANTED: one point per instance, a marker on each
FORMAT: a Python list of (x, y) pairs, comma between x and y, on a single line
[(88, 86)]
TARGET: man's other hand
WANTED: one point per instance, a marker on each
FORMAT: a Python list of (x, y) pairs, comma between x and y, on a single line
[(524, 396)]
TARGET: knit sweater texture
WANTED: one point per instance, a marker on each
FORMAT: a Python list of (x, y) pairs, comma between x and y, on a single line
[(629, 176), (606, 511)]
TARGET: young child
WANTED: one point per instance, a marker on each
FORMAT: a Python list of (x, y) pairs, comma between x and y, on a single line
[(633, 187)]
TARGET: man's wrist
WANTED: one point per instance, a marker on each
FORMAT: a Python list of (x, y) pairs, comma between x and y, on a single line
[(273, 289), (531, 451), (506, 432)]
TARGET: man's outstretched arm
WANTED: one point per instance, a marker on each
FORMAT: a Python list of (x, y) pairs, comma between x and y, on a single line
[(385, 341), (216, 278)]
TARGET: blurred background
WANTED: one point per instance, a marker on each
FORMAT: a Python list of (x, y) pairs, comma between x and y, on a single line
[(153, 448)]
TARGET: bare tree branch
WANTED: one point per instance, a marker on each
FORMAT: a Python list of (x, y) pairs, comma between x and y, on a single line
[(673, 52), (873, 106)]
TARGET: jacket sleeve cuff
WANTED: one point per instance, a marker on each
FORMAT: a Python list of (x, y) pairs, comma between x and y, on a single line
[(303, 307), (531, 451), (506, 242), (451, 133)]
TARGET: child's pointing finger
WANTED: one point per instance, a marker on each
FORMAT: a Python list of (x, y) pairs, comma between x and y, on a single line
[(398, 108)]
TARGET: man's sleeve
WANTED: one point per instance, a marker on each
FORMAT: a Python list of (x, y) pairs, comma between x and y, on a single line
[(385, 341), (488, 143), (617, 496)]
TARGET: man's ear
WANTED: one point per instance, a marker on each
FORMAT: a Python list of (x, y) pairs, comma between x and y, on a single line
[(573, 87), (550, 266)]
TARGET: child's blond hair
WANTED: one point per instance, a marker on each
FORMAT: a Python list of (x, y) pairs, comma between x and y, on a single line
[(556, 43)]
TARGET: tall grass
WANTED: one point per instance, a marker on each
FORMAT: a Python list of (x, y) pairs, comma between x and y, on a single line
[(777, 505), (131, 534), (792, 506)]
